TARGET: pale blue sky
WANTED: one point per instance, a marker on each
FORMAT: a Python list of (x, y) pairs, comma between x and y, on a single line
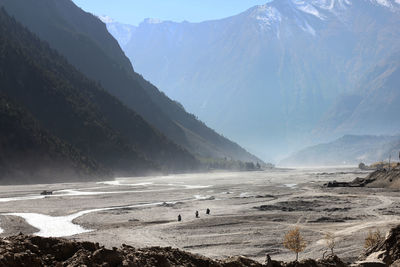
[(134, 11)]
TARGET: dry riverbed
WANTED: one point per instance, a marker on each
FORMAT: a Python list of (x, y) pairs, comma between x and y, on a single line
[(250, 211)]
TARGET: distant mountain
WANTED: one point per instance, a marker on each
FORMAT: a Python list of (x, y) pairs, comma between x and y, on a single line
[(85, 42), (270, 76), (60, 112), (347, 150), (121, 32), (376, 104)]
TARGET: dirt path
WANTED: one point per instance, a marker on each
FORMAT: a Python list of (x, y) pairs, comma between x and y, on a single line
[(348, 229)]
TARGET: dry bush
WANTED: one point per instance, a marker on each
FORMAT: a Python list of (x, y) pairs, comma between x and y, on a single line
[(373, 238), (330, 242), (294, 241)]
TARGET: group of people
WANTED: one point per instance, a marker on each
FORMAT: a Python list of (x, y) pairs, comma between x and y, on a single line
[(196, 214)]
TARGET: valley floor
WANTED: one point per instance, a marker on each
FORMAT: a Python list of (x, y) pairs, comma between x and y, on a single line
[(250, 211)]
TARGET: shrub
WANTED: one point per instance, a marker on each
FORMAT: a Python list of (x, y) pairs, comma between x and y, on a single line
[(330, 242), (373, 238)]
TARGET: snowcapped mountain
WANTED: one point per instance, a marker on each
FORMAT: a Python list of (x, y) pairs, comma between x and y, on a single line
[(271, 15), (106, 19), (121, 32), (273, 77)]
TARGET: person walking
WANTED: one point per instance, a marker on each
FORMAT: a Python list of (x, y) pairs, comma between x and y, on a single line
[(179, 218), (197, 214), (208, 211)]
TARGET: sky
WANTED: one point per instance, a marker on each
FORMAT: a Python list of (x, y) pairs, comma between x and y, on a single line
[(135, 11)]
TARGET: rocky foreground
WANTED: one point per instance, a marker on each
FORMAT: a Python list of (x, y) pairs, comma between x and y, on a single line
[(22, 250), (35, 251)]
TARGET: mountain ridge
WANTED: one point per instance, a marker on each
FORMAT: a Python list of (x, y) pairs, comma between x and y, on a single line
[(284, 75), (84, 41), (71, 118), (346, 150)]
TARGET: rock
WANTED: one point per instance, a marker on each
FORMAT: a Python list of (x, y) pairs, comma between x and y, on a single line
[(46, 193), (332, 260), (239, 261), (90, 246), (387, 251), (112, 257), (369, 264), (38, 251), (357, 182), (395, 264), (336, 184)]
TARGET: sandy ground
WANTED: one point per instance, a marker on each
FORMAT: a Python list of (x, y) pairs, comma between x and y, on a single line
[(250, 211)]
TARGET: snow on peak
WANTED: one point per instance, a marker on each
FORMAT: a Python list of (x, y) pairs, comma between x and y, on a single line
[(271, 15), (385, 3), (152, 21), (307, 28), (331, 5), (306, 7), (266, 15), (393, 5), (106, 19)]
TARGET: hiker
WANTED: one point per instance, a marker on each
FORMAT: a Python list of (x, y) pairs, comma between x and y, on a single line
[(197, 214), (208, 211), (179, 218)]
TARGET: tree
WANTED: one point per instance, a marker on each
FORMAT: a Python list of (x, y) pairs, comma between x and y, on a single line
[(249, 166), (362, 166), (330, 241), (294, 241), (373, 238)]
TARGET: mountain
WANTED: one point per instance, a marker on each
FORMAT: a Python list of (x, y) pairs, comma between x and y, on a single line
[(347, 150), (72, 116), (30, 154), (270, 76), (85, 42), (121, 32), (375, 106)]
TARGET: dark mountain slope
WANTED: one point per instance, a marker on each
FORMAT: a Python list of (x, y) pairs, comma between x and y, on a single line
[(79, 111), (30, 154), (84, 41)]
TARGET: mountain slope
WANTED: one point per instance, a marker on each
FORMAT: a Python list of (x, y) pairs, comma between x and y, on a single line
[(85, 42), (30, 154), (79, 111), (267, 76), (347, 150), (381, 104), (377, 105)]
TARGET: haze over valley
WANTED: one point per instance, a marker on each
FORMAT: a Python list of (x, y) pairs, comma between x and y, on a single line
[(280, 76), (265, 137)]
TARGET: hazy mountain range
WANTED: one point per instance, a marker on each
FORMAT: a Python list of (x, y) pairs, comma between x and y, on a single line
[(279, 76), (347, 150), (72, 107)]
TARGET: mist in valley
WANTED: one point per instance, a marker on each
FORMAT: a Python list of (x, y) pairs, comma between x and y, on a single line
[(222, 136)]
